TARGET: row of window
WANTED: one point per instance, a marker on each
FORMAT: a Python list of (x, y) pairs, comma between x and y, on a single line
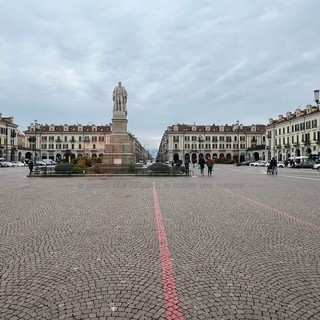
[(298, 127), (216, 138), (72, 139), (64, 146), (207, 128), (5, 131), (66, 128), (208, 146), (305, 138)]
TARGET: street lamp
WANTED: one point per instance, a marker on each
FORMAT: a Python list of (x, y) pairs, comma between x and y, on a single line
[(183, 142), (200, 140), (316, 96), (36, 127), (238, 127), (7, 135)]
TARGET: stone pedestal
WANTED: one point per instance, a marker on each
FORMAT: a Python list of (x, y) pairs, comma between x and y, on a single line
[(119, 150)]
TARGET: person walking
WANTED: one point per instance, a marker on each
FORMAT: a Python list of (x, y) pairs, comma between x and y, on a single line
[(273, 165), (201, 164), (30, 165), (210, 164), (186, 167)]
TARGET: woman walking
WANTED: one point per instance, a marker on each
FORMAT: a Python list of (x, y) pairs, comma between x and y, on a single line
[(210, 164)]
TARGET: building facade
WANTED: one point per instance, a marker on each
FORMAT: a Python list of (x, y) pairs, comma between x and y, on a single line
[(8, 139), (183, 142), (294, 135), (68, 142)]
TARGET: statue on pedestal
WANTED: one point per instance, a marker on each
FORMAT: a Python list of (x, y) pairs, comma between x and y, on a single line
[(120, 98)]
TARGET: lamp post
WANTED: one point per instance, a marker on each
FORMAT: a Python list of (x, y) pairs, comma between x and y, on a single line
[(183, 142), (7, 135), (316, 99), (200, 140), (238, 127), (36, 127)]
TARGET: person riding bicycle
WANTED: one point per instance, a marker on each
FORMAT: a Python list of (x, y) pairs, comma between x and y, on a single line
[(274, 165)]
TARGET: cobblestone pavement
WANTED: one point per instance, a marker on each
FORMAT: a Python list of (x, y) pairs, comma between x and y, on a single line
[(237, 245)]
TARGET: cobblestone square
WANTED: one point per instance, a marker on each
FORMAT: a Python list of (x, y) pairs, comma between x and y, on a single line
[(237, 245)]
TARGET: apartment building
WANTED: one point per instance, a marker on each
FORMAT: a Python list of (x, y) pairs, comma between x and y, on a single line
[(294, 135), (182, 142), (68, 142)]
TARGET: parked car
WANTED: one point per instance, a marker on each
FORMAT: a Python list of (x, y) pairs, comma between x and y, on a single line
[(40, 163), (304, 165), (280, 164), (17, 164), (245, 163), (6, 164), (316, 166), (49, 162), (259, 163)]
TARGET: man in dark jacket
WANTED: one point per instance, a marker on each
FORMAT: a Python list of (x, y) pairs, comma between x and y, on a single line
[(274, 165), (201, 164), (30, 165)]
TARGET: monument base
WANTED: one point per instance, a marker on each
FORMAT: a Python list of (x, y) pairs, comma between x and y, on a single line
[(119, 150)]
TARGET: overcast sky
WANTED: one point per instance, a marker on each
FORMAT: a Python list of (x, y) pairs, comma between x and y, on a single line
[(183, 61)]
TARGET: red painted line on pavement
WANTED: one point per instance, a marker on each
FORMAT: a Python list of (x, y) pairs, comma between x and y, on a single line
[(283, 213), (173, 311)]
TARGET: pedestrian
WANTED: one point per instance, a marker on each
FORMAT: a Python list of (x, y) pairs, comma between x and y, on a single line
[(286, 163), (209, 163), (273, 165), (186, 167), (201, 164), (30, 165), (293, 163)]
